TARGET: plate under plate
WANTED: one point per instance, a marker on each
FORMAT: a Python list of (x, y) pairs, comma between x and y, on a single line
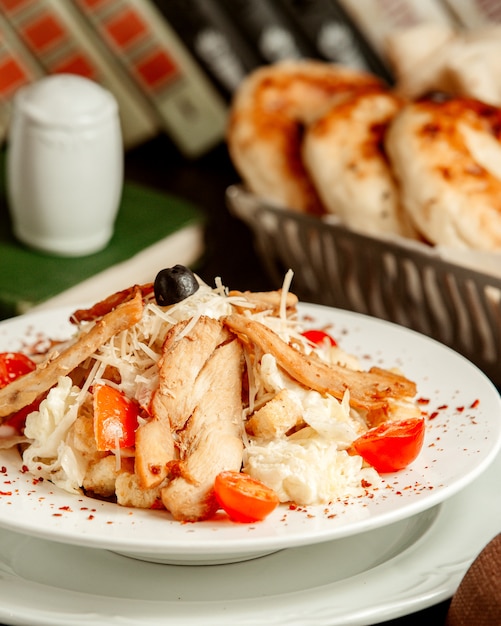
[(357, 581)]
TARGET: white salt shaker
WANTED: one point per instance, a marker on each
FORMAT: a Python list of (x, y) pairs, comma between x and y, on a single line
[(64, 165)]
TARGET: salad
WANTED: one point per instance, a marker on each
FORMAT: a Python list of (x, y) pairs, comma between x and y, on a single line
[(191, 399)]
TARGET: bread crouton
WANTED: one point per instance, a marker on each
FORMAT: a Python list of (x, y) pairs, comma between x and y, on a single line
[(130, 493), (275, 418), (101, 475)]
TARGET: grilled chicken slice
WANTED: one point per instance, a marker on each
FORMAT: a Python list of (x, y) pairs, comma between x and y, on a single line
[(267, 301), (154, 451), (28, 388), (368, 390), (185, 352), (211, 441)]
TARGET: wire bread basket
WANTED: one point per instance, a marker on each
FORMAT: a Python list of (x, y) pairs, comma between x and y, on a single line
[(406, 284)]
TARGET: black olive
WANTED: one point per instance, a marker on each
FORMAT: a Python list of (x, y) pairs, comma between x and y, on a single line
[(174, 284)]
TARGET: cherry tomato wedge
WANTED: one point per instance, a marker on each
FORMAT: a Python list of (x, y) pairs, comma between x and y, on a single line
[(12, 366), (319, 337), (244, 498), (115, 419), (391, 446), (18, 419)]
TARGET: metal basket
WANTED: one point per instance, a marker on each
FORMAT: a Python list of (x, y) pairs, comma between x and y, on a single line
[(406, 284)]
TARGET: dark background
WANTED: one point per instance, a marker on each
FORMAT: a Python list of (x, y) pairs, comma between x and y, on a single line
[(229, 248)]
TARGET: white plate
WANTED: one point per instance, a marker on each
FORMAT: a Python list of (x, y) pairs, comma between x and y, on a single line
[(463, 437), (356, 581)]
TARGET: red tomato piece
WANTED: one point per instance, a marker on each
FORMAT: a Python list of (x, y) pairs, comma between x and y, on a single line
[(12, 366), (244, 498), (319, 337), (391, 446), (18, 419), (115, 419)]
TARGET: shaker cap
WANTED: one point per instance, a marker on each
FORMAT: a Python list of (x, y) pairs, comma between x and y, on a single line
[(66, 100)]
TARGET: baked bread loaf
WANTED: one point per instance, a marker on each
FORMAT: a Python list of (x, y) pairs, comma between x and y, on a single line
[(446, 155), (270, 110), (321, 138), (343, 153), (430, 57)]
